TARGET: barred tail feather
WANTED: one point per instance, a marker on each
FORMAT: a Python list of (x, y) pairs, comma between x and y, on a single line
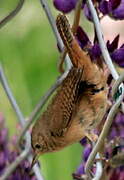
[(76, 54), (64, 29)]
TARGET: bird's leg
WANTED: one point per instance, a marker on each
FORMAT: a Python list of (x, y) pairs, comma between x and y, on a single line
[(91, 136)]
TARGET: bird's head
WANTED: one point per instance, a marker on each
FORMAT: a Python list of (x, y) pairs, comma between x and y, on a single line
[(38, 143)]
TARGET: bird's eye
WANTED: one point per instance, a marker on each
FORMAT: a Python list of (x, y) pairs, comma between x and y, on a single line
[(38, 146)]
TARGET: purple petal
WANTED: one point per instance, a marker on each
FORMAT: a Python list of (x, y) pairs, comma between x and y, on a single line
[(26, 177), (114, 3), (118, 13), (12, 156), (119, 119), (2, 159), (81, 169), (113, 133), (87, 13), (118, 56), (121, 131), (65, 6), (95, 51), (17, 175), (114, 44), (114, 8), (83, 141), (26, 166), (87, 152), (82, 37), (103, 7), (3, 136)]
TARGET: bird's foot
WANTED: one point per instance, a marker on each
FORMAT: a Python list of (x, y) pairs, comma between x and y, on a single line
[(91, 136)]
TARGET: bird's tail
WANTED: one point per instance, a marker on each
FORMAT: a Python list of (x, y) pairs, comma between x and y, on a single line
[(78, 57), (92, 73)]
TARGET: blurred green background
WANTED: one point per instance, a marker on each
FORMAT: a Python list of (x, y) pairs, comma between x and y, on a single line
[(29, 56)]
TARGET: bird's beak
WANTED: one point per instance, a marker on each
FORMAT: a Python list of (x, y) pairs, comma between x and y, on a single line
[(34, 160)]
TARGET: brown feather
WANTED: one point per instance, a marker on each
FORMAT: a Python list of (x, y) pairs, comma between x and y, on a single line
[(59, 111), (79, 104)]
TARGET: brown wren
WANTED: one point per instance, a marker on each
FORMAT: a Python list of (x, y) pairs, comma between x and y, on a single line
[(79, 103)]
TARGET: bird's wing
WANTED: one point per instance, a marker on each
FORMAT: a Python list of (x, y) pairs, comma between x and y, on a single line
[(62, 106)]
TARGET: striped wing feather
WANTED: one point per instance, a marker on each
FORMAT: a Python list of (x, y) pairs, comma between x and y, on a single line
[(62, 106)]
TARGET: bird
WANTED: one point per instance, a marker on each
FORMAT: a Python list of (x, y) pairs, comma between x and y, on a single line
[(79, 104)]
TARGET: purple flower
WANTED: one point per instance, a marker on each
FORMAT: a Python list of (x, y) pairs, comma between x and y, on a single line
[(82, 38), (121, 131), (113, 45), (113, 133), (3, 162), (103, 7), (119, 119), (118, 56), (107, 6), (65, 6), (12, 156), (3, 136), (8, 154), (83, 141), (87, 152), (118, 13), (95, 51), (87, 12), (80, 169), (113, 8), (117, 129), (85, 43)]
